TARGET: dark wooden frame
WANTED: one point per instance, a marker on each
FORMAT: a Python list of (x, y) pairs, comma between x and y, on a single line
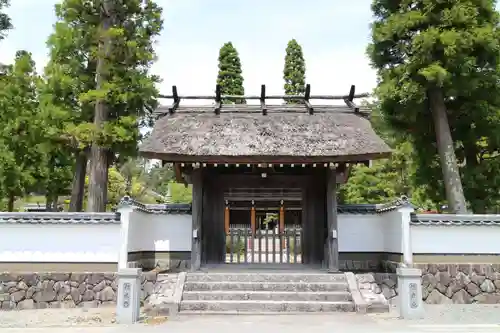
[(318, 212)]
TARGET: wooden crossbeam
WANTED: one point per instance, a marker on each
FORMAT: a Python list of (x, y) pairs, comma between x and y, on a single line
[(269, 97), (303, 99), (263, 99)]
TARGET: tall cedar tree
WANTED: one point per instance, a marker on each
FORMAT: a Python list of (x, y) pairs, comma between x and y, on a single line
[(69, 74), (294, 72), (427, 53), (125, 90), (230, 76), (59, 157), (22, 157), (101, 53)]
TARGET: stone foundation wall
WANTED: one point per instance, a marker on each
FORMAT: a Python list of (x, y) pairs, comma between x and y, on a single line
[(463, 284), (161, 261), (350, 265), (443, 283), (20, 291), (368, 261), (379, 284)]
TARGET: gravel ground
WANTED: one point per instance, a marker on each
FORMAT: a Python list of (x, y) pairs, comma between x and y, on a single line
[(103, 318), (58, 317), (447, 314)]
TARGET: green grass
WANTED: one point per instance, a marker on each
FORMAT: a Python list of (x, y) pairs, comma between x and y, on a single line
[(33, 199)]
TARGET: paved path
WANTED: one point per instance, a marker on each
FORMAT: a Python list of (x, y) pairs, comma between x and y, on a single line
[(454, 318)]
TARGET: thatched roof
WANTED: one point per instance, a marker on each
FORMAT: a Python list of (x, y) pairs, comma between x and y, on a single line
[(241, 133)]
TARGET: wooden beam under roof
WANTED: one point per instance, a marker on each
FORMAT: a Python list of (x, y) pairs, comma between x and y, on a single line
[(178, 174)]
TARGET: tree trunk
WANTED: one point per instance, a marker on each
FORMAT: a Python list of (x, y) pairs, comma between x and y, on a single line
[(109, 163), (78, 187), (478, 206), (55, 206), (451, 173), (48, 203), (51, 202), (98, 175), (98, 180), (10, 203)]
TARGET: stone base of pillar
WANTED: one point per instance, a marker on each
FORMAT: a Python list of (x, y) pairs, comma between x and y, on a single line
[(129, 292), (410, 293)]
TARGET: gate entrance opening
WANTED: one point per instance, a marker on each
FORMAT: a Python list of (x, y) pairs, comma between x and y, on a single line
[(263, 226)]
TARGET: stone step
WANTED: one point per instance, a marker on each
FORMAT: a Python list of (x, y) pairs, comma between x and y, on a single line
[(253, 313), (275, 277), (265, 286), (333, 296), (266, 306)]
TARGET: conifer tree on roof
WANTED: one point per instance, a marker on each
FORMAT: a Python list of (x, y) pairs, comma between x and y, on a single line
[(294, 72), (230, 76)]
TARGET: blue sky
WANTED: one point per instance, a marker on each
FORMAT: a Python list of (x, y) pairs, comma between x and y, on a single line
[(333, 34)]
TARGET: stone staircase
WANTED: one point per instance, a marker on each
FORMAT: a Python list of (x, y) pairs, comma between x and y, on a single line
[(229, 293)]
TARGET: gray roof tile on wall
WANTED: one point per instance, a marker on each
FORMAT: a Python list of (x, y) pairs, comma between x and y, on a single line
[(372, 208), (169, 208), (455, 220), (59, 218)]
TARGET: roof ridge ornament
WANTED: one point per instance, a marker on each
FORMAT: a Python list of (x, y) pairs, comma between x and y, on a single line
[(349, 100), (307, 96), (218, 99), (176, 99), (263, 106), (304, 99)]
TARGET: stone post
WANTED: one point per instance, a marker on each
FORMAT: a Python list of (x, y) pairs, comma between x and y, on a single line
[(125, 209), (406, 210), (128, 302), (410, 293)]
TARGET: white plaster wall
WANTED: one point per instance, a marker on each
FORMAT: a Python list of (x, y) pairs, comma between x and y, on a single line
[(159, 232), (59, 242), (455, 239), (393, 232), (360, 233), (370, 233)]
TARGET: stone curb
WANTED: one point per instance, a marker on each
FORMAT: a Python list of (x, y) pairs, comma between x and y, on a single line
[(360, 303), (178, 290)]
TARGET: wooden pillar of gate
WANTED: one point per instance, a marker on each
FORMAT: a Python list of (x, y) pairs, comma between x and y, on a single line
[(226, 218), (282, 217), (282, 223), (252, 218), (331, 205)]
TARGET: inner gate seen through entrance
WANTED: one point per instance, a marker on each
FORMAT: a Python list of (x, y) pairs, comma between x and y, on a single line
[(263, 226)]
